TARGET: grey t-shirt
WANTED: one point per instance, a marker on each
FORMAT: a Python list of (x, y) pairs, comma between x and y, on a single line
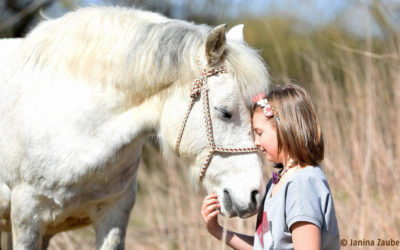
[(306, 197)]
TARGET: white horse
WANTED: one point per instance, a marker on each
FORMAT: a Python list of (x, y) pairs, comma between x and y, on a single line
[(79, 94)]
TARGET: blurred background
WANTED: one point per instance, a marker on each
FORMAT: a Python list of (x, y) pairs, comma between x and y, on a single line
[(344, 52)]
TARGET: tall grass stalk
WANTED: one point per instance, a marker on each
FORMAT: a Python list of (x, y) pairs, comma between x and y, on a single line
[(357, 98)]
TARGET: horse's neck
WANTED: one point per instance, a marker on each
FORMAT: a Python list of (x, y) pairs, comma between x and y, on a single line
[(8, 48), (144, 118)]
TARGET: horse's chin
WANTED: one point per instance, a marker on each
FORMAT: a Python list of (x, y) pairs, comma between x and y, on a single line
[(232, 214), (247, 215), (228, 214)]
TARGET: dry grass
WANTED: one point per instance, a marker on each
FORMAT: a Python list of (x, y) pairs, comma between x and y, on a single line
[(361, 124), (361, 121), (359, 110)]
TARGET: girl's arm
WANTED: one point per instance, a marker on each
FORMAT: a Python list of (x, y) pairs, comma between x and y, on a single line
[(306, 235), (210, 213)]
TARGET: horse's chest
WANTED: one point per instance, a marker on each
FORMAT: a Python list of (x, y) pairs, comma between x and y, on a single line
[(93, 194), (82, 150), (112, 179), (77, 155)]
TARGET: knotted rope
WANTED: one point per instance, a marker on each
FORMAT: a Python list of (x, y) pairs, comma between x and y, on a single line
[(200, 86)]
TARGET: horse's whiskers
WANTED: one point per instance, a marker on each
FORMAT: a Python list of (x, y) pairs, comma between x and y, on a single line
[(224, 232)]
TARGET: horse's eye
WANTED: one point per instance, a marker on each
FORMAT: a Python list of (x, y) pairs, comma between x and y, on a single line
[(225, 114)]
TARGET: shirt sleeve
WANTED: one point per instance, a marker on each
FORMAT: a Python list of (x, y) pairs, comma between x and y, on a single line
[(307, 199)]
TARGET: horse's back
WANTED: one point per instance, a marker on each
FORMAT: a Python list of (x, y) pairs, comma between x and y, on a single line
[(8, 52), (8, 47)]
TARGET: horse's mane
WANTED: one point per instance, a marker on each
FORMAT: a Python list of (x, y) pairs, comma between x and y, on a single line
[(134, 49)]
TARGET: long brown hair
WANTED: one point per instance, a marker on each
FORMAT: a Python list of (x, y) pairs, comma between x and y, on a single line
[(298, 130)]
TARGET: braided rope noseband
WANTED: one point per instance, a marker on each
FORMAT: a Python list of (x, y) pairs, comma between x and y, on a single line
[(200, 87)]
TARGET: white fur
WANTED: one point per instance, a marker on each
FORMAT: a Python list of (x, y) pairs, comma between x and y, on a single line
[(236, 33), (78, 95)]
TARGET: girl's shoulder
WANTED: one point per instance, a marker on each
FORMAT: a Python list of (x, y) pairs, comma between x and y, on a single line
[(310, 175), (308, 197), (308, 183)]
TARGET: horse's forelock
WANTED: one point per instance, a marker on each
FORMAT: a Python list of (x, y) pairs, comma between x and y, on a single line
[(249, 69)]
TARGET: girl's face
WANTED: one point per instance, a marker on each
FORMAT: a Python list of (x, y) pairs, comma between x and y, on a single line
[(265, 137)]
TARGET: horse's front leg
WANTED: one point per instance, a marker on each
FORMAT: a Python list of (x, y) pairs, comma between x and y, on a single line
[(111, 228), (27, 226)]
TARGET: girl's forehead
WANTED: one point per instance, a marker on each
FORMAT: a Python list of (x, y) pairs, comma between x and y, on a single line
[(259, 120)]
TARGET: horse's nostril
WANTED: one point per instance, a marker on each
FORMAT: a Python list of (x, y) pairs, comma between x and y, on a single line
[(227, 199), (254, 196), (226, 193)]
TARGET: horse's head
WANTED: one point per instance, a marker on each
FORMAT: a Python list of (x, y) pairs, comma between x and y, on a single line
[(239, 74)]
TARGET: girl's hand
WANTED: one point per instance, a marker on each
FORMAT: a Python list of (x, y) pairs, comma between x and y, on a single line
[(210, 212)]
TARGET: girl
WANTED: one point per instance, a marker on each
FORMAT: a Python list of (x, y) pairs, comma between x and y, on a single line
[(298, 210)]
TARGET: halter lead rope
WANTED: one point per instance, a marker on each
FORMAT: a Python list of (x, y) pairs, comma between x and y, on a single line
[(200, 87)]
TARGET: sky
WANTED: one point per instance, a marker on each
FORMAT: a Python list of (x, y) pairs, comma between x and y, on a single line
[(354, 14), (312, 10)]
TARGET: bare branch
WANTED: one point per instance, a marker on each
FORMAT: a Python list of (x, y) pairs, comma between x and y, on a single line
[(30, 10)]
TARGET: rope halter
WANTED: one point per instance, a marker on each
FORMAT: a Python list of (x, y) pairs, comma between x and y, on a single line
[(199, 87)]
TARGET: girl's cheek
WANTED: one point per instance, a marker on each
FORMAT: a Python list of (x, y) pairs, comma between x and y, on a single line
[(262, 138), (256, 141)]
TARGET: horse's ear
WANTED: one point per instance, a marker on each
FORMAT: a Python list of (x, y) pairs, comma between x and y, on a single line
[(236, 33), (215, 45)]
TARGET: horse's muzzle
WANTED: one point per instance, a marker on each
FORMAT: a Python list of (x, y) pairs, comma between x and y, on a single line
[(235, 209)]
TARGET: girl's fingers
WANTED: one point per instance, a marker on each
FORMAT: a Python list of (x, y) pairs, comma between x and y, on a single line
[(210, 207), (213, 207), (208, 202), (211, 196), (213, 214), (210, 216), (211, 202)]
